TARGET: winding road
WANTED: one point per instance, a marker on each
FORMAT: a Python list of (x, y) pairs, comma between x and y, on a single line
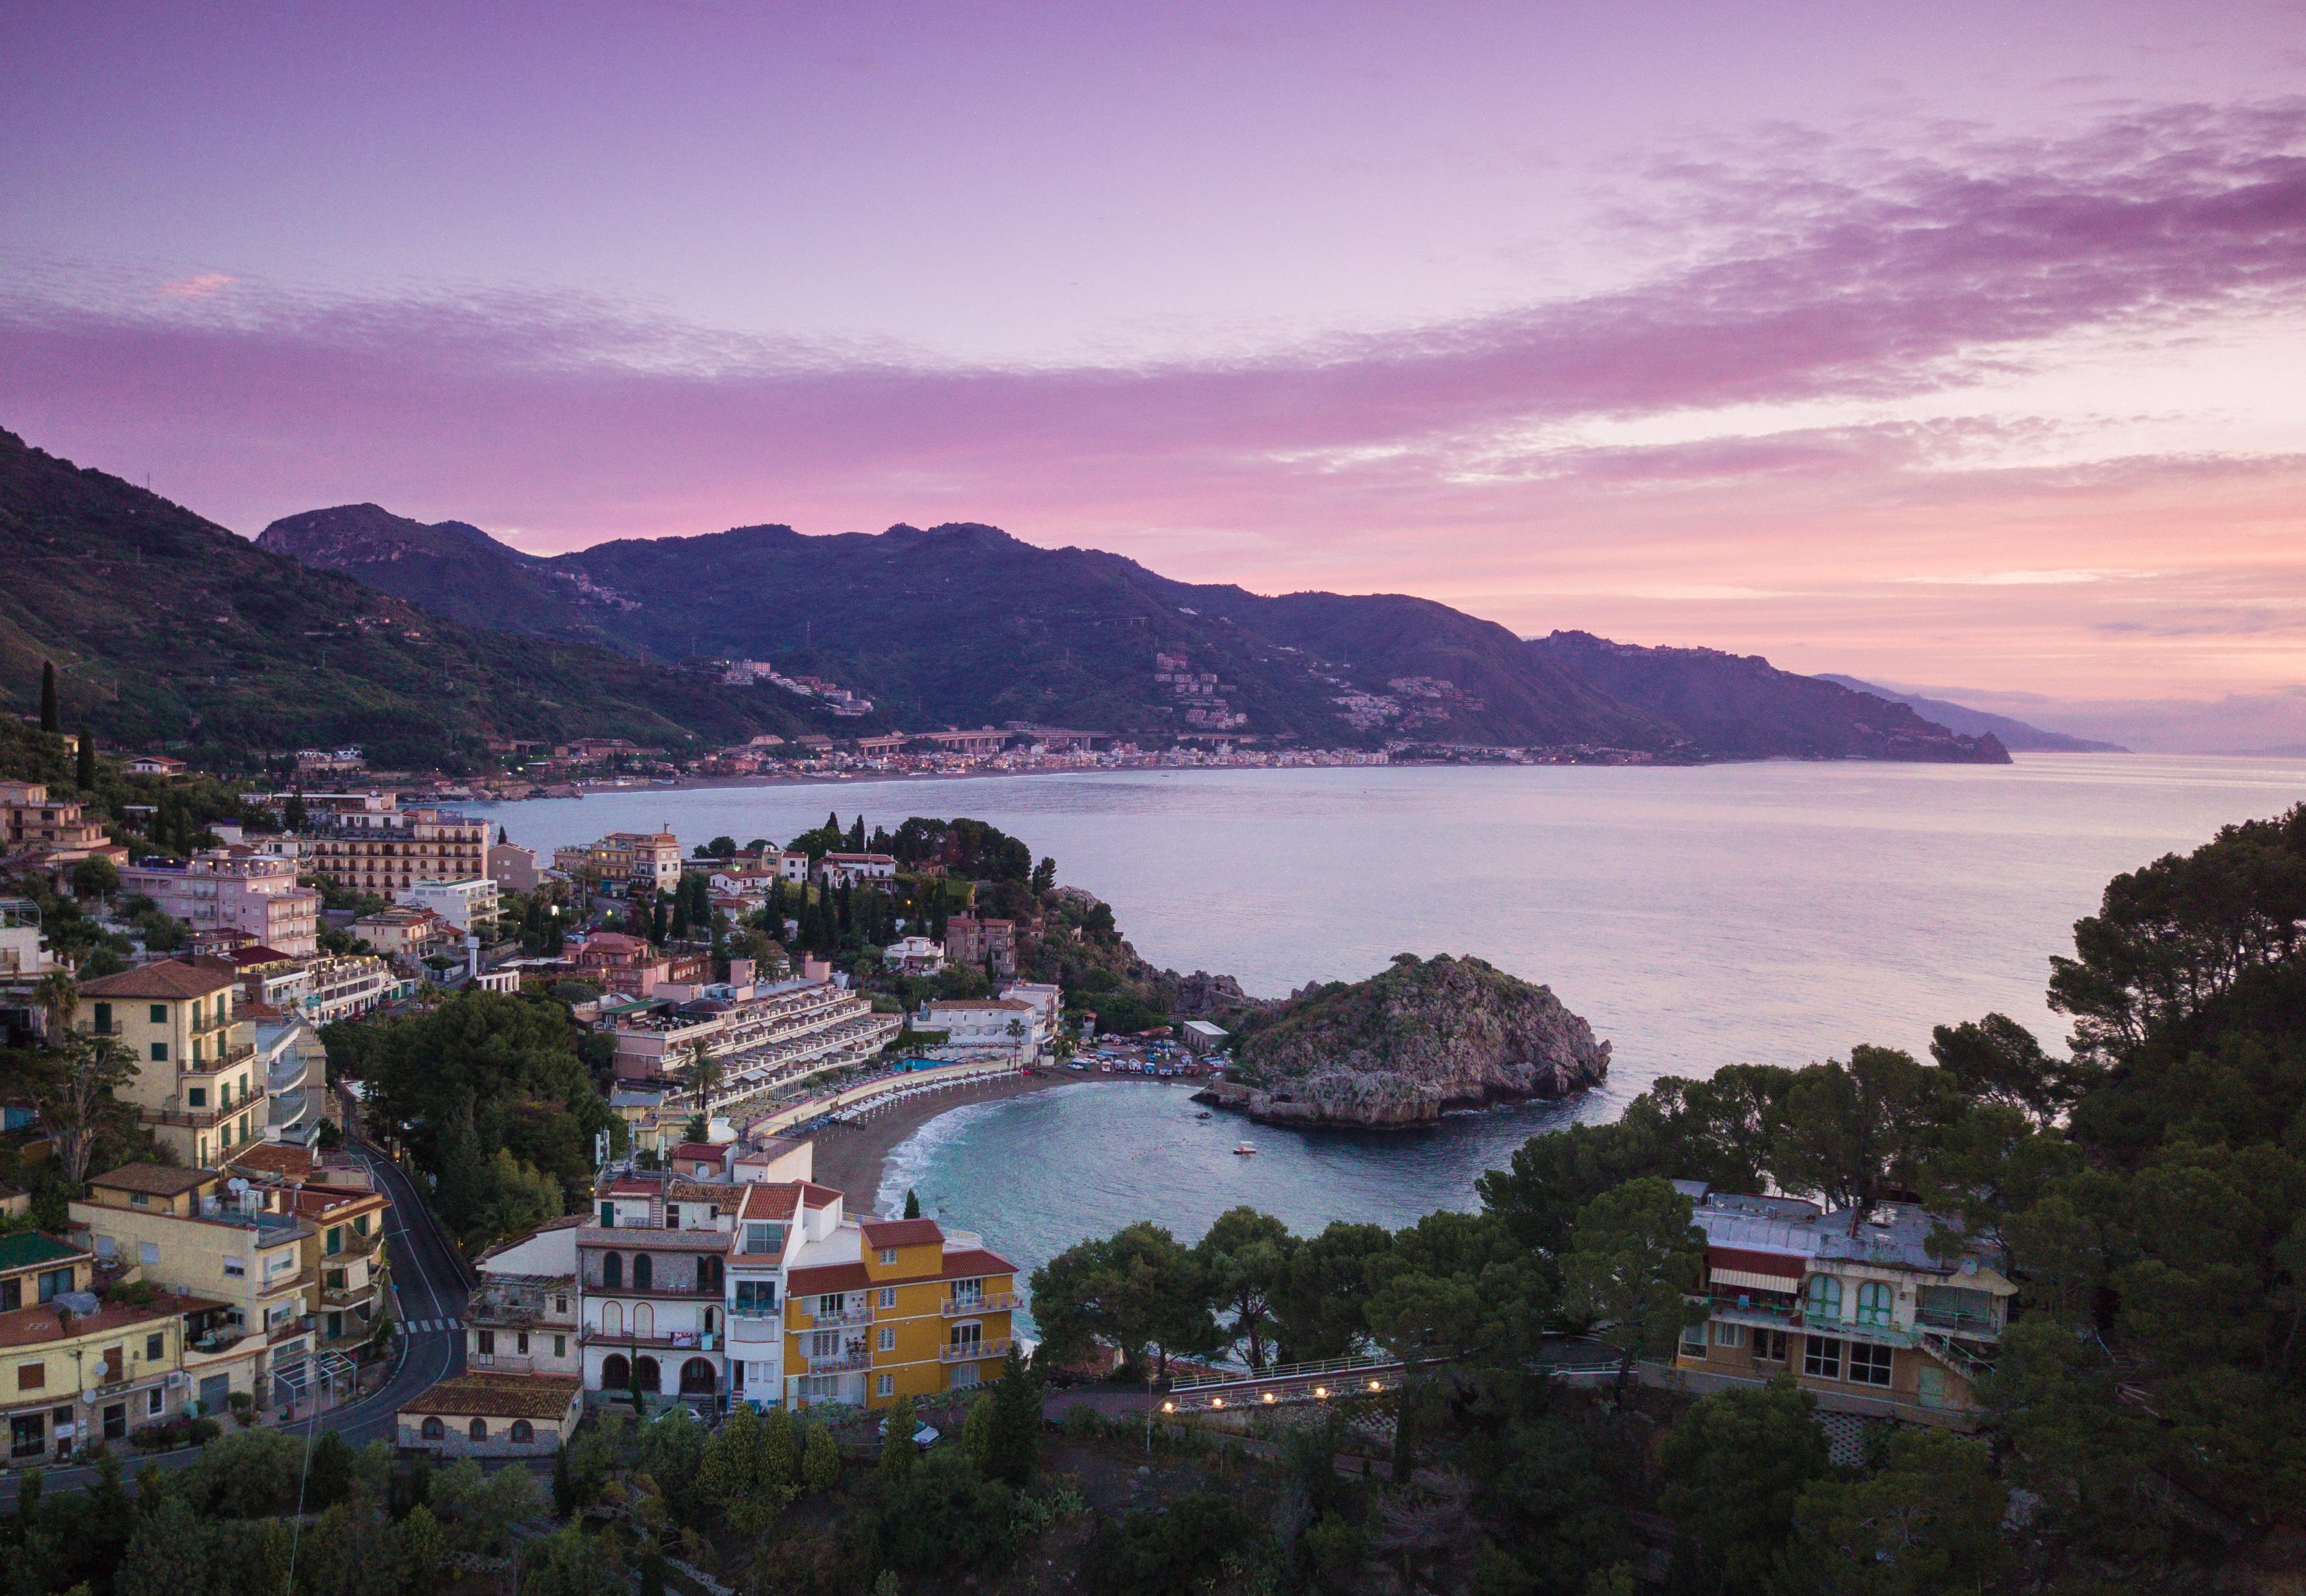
[(428, 1292)]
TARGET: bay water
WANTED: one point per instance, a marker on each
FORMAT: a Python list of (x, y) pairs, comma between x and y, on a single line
[(1774, 912)]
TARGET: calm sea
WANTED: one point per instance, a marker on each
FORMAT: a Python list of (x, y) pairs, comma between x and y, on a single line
[(1773, 913)]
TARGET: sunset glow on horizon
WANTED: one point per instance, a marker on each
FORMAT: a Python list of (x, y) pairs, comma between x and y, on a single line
[(1959, 351)]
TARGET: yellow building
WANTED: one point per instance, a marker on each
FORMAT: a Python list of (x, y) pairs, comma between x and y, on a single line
[(909, 1312), (75, 1369), (199, 1084), (189, 1231)]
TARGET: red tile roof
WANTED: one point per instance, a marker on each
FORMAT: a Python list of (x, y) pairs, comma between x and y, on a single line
[(827, 1277), (169, 978), (970, 1262), (762, 1200), (901, 1232), (154, 1179), (709, 1152)]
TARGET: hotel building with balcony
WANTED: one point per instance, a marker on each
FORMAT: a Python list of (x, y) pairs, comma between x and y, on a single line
[(1865, 1317), (199, 1085), (198, 1233)]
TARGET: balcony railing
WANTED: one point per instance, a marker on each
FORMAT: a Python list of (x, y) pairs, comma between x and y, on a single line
[(858, 1314), (841, 1362), (972, 1351), (503, 1363), (992, 1301), (1958, 1319)]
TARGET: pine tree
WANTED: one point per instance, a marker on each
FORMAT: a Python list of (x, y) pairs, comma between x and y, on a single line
[(85, 777), (1013, 1452), (48, 723), (897, 1448), (912, 1203), (820, 1460), (328, 1474)]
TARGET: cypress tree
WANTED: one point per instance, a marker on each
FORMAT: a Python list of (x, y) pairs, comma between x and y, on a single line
[(912, 1203), (48, 696), (85, 778), (847, 916)]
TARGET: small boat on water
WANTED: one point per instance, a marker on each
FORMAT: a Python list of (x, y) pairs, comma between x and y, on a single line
[(1245, 1150), (1204, 1115)]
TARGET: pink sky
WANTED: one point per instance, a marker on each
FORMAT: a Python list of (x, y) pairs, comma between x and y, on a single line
[(1955, 345)]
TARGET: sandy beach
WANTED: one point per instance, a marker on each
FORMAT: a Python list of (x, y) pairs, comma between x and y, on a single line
[(851, 1158)]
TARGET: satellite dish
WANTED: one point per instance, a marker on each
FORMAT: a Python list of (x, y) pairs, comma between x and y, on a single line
[(1969, 1265)]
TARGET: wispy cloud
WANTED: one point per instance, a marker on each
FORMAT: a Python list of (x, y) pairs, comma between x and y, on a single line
[(1457, 460), (203, 286)]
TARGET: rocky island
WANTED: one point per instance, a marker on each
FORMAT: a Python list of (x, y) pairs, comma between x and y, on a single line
[(1402, 1047)]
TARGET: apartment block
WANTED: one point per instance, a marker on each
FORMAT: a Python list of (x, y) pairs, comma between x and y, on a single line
[(633, 863), (55, 831), (378, 847), (234, 889), (192, 1232), (890, 1307), (760, 1034), (75, 1367), (1861, 1314), (199, 1083), (471, 905), (988, 944)]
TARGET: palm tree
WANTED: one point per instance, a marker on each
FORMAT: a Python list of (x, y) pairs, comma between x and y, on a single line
[(702, 1075), (57, 994)]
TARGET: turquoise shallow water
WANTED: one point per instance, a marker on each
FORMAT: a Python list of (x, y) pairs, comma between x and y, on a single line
[(1775, 912)]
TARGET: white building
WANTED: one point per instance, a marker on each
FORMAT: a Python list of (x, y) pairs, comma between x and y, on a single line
[(1008, 1023), (856, 869), (914, 956), (469, 905), (348, 984), (296, 1078)]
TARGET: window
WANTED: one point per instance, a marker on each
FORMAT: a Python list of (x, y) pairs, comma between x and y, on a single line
[(888, 1296), (196, 1096), (763, 1238), (1727, 1335), (159, 1052), (160, 1013), (560, 1347), (196, 1013), (612, 1270), (334, 1279), (523, 1431), (116, 1422), (478, 1430), (824, 1343), (1822, 1357), (104, 1019), (54, 1283), (154, 1401), (434, 1430), (487, 1340), (360, 1225), (1824, 1297), (236, 1267), (1693, 1341), (1869, 1365), (559, 1304), (884, 1384), (644, 1271), (12, 1295), (888, 1339), (156, 1347), (520, 1344), (888, 1255), (335, 1240), (31, 1376), (1873, 1302), (607, 1215), (756, 1298)]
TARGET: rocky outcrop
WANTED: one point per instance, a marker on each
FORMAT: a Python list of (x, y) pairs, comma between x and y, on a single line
[(1407, 1045)]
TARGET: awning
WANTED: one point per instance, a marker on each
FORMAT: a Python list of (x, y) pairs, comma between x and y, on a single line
[(1745, 1280)]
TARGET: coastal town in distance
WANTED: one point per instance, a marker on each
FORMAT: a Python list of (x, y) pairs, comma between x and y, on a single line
[(1275, 799)]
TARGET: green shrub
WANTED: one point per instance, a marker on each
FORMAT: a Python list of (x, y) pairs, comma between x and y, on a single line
[(1167, 1554)]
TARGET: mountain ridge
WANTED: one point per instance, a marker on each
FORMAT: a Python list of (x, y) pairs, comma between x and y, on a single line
[(2020, 736), (963, 624), (169, 631)]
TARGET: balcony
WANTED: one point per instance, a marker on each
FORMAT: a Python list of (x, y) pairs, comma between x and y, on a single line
[(754, 1328), (804, 1319), (841, 1362), (992, 1301), (503, 1363), (973, 1352), (1958, 1321)]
